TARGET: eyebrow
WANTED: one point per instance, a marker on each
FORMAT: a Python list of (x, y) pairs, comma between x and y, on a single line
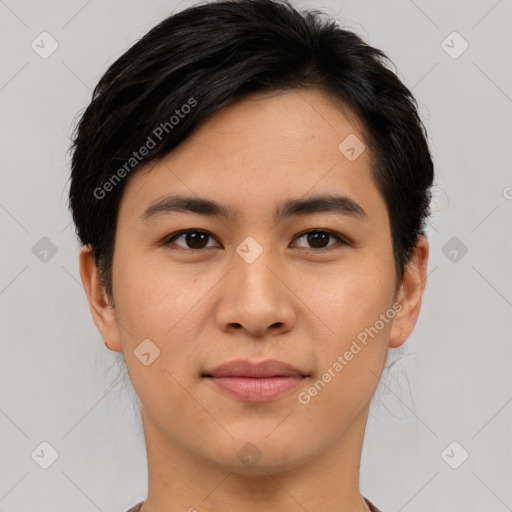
[(340, 204)]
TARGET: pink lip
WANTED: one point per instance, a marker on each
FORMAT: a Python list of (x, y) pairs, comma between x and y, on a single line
[(255, 382)]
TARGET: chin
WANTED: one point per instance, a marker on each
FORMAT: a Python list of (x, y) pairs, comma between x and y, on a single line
[(260, 455)]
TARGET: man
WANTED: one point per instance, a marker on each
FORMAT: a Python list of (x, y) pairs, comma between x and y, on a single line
[(250, 186)]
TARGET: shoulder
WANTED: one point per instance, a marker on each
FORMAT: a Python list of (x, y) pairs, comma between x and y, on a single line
[(135, 508)]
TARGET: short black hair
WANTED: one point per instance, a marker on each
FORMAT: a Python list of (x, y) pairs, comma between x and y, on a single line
[(210, 55)]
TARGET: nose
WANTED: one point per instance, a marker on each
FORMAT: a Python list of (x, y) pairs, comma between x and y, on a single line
[(256, 298)]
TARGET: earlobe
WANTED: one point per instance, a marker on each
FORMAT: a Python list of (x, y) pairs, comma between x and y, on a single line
[(103, 314), (410, 294)]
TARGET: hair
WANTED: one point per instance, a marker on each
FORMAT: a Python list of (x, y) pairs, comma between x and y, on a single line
[(208, 56)]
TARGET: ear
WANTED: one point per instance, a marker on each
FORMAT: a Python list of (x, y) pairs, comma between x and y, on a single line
[(410, 294), (103, 314)]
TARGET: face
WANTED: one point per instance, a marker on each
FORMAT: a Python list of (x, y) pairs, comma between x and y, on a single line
[(294, 264)]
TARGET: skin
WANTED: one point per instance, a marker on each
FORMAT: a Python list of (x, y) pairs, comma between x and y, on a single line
[(297, 302)]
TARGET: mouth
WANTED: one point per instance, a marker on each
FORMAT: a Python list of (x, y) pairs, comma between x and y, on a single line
[(255, 382)]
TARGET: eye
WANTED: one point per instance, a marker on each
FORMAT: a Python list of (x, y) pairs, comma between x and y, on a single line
[(197, 239), (193, 238), (318, 237)]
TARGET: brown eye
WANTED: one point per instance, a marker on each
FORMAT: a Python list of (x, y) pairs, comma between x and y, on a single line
[(196, 239), (193, 239), (319, 238)]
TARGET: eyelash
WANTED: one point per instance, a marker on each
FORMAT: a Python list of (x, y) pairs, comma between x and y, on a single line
[(168, 240)]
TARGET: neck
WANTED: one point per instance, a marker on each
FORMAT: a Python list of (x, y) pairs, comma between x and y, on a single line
[(180, 480)]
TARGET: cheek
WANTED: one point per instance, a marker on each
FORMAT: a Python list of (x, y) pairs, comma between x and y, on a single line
[(151, 299), (354, 349), (353, 297), (151, 306), (159, 303), (351, 359)]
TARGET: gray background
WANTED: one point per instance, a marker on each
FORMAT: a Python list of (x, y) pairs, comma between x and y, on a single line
[(452, 381)]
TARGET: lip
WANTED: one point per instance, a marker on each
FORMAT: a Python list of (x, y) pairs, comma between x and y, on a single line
[(255, 382), (245, 368)]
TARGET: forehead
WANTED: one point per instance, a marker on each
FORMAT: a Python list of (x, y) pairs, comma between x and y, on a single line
[(265, 149)]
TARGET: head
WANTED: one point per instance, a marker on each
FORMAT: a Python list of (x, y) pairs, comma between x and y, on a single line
[(297, 162)]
